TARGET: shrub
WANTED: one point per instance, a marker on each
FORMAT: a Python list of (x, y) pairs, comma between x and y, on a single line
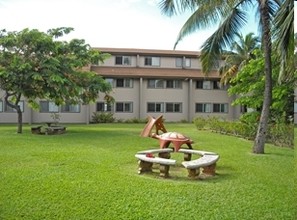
[(280, 134), (200, 122), (102, 117)]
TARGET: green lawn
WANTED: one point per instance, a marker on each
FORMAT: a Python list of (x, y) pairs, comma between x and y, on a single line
[(91, 173)]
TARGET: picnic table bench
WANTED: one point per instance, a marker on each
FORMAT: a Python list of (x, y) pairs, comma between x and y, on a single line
[(55, 130), (146, 159), (50, 130), (207, 162)]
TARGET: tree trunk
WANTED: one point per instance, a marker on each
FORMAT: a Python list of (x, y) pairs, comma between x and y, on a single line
[(20, 120), (16, 107), (260, 139)]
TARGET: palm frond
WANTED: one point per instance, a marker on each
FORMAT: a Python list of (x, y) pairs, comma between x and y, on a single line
[(208, 13), (221, 39), (172, 7), (273, 7), (229, 74), (284, 26)]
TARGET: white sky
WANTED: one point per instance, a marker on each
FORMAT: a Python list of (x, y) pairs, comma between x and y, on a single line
[(103, 23)]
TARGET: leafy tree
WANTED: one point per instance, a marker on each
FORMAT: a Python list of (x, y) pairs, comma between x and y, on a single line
[(249, 84), (232, 16), (36, 65), (240, 54)]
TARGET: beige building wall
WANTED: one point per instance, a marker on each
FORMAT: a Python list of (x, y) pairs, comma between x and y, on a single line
[(140, 95), (69, 117)]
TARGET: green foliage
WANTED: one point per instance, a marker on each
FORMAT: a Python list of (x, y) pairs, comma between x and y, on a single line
[(102, 117), (279, 134), (36, 65), (133, 120), (91, 173), (249, 84)]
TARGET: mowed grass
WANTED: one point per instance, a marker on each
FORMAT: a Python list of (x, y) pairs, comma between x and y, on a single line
[(91, 173)]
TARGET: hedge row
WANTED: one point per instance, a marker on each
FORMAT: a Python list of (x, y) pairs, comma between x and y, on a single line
[(279, 134)]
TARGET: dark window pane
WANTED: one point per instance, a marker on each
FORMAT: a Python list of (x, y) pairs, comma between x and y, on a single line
[(120, 83), (119, 60)]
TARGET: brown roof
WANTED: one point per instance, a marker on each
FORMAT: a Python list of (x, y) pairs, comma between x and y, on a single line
[(136, 51), (152, 72)]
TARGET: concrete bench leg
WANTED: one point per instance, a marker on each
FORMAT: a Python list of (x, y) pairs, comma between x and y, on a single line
[(165, 155), (187, 157), (193, 173), (210, 170), (164, 170), (144, 166)]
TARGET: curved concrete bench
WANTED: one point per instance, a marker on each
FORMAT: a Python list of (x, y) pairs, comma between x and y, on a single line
[(146, 160), (163, 153), (207, 161), (188, 153)]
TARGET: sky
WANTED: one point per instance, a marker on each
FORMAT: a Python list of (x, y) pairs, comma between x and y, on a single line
[(105, 23)]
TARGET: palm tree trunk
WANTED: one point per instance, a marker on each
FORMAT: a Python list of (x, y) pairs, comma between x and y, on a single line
[(260, 139)]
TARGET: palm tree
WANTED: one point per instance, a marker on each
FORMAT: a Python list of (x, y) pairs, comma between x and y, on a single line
[(240, 54), (284, 35), (232, 16)]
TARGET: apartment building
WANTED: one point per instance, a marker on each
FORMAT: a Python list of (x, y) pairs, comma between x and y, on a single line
[(145, 82)]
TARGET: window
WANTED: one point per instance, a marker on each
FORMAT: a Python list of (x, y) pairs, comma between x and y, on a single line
[(173, 84), (124, 83), (156, 83), (218, 85), (103, 107), (155, 107), (46, 106), (179, 62), (187, 62), (124, 107), (203, 107), (9, 109), (221, 108), (243, 109), (123, 60), (70, 108), (1, 106), (182, 62), (152, 61), (201, 84), (173, 107)]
